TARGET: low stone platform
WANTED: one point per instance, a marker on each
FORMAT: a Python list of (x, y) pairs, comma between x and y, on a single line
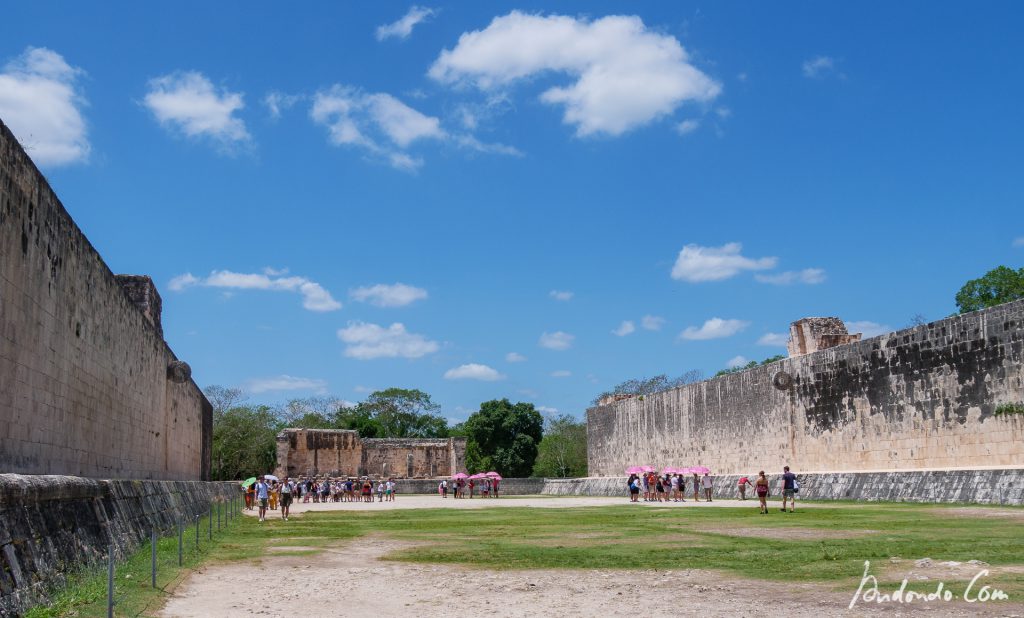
[(997, 486), (51, 525)]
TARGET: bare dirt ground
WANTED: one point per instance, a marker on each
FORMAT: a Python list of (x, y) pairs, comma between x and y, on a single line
[(351, 579)]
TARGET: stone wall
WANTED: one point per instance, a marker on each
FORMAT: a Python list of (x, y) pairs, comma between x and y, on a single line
[(1001, 486), (918, 398), (341, 452), (87, 384), (507, 487), (51, 525)]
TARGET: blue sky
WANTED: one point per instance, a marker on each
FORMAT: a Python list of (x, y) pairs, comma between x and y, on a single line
[(568, 200)]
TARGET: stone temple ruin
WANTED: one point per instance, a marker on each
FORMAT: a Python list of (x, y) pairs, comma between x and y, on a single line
[(812, 334), (341, 452)]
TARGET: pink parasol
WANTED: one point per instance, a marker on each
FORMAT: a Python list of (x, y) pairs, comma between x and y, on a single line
[(670, 470), (700, 470), (647, 468), (493, 475), (478, 475), (634, 470), (460, 475)]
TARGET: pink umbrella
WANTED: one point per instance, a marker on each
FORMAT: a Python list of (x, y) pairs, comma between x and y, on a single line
[(647, 468), (634, 470), (493, 475), (669, 470), (700, 470), (460, 475), (478, 475)]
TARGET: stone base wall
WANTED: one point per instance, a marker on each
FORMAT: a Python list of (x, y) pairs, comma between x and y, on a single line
[(1003, 486), (341, 453), (52, 525), (507, 487)]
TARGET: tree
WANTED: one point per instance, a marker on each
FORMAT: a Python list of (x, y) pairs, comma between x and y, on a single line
[(750, 365), (360, 418), (310, 412), (562, 452), (223, 399), (244, 442), (503, 437), (403, 413), (997, 286), (647, 386)]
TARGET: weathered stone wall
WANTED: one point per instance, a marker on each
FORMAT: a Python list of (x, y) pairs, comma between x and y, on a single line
[(84, 373), (1002, 486), (341, 452), (51, 525), (507, 487), (918, 398)]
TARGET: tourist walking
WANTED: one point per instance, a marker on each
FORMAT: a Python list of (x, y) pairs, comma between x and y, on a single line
[(287, 489), (696, 487), (263, 496), (744, 481), (789, 489), (707, 483), (761, 489), (634, 488)]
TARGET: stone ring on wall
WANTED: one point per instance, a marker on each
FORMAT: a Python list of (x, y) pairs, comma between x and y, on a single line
[(179, 372), (783, 381)]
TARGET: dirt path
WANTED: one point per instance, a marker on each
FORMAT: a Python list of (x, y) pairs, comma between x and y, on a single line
[(352, 580)]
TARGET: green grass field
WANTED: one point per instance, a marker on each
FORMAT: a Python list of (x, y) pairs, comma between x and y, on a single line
[(828, 544)]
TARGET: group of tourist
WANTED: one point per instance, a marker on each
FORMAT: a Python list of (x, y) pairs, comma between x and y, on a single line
[(348, 490), (486, 487), (266, 494), (672, 487)]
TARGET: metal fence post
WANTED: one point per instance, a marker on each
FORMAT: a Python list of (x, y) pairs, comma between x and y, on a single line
[(218, 517), (179, 542), (110, 584), (152, 543), (211, 522), (197, 531)]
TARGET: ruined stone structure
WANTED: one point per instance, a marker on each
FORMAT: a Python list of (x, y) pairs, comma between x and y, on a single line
[(919, 398), (341, 452), (813, 334), (88, 386)]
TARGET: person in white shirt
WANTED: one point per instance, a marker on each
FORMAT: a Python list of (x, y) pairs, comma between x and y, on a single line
[(707, 485)]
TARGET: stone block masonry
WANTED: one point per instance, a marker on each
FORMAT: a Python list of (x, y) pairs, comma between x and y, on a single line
[(341, 452), (920, 398), (88, 386), (51, 525)]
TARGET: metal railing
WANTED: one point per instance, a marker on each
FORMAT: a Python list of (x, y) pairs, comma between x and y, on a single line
[(187, 540)]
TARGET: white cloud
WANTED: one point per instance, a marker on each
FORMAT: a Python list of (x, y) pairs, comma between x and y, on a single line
[(696, 263), (810, 276), (818, 67), (278, 102), (652, 322), (774, 339), (622, 74), (561, 295), (471, 143), (378, 123), (687, 126), (715, 328), (381, 295), (868, 329), (314, 296), (403, 27), (188, 102), (625, 328), (473, 371), (1018, 242), (285, 383), (547, 410), (556, 340), (41, 103), (515, 357), (736, 361), (366, 341), (561, 373)]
